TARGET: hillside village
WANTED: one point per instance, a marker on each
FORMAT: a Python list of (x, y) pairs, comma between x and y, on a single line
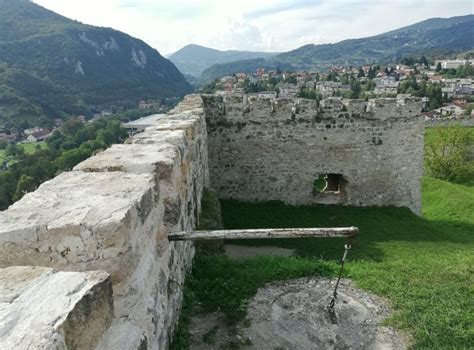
[(446, 87), (26, 134)]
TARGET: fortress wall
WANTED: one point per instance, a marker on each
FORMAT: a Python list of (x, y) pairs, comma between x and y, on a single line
[(113, 213), (262, 149)]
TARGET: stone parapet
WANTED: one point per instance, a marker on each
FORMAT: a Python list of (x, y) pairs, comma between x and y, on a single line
[(242, 107), (264, 148), (113, 213)]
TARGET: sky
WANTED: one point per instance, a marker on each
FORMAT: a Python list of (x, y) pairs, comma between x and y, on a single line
[(255, 25)]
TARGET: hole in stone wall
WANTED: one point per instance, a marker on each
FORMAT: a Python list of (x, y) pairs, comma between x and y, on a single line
[(329, 183)]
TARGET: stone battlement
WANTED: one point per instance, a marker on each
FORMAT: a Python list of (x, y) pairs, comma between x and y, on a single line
[(274, 149), (113, 213), (245, 106), (102, 229)]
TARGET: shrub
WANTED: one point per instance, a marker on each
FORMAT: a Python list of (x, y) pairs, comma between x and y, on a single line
[(448, 157), (25, 185)]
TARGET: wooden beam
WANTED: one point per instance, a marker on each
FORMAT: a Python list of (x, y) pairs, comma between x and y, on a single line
[(265, 233)]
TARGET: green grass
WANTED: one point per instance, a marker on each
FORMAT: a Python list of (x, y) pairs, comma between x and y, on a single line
[(424, 266), (29, 148)]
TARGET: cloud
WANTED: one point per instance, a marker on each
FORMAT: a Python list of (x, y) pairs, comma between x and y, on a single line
[(279, 8), (244, 36), (265, 25)]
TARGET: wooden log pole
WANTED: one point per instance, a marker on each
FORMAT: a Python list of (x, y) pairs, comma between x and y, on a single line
[(265, 233)]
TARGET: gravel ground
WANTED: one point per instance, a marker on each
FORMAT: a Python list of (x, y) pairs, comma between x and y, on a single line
[(293, 315)]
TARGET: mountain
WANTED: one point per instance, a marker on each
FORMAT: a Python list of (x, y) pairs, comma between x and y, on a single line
[(194, 59), (53, 66), (433, 36), (243, 66)]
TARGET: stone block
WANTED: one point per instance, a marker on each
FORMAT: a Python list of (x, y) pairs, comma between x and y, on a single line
[(80, 221), (334, 103), (153, 159), (43, 309), (355, 106)]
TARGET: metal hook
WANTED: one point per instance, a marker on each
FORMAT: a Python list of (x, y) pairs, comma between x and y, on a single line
[(332, 303)]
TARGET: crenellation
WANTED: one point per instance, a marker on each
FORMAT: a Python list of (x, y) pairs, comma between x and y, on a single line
[(279, 147), (355, 107), (113, 211), (333, 103)]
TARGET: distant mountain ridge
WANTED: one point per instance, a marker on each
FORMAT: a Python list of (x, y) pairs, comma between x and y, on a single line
[(53, 66), (194, 59), (441, 35)]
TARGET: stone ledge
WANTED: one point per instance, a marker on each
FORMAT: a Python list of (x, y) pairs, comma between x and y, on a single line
[(42, 309), (132, 158), (174, 137), (76, 217)]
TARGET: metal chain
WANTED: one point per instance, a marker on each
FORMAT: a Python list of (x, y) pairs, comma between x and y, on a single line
[(334, 295)]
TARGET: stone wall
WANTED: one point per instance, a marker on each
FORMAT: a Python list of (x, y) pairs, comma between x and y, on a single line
[(273, 149), (113, 213)]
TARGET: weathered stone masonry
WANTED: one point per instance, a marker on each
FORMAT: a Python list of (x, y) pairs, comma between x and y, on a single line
[(113, 213), (273, 149)]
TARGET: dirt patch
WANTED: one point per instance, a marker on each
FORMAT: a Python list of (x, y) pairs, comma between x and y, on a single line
[(244, 252), (294, 315)]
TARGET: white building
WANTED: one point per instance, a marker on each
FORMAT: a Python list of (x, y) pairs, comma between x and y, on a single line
[(453, 64), (141, 124), (451, 110)]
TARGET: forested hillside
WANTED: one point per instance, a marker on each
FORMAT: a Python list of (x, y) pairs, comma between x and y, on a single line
[(53, 66), (194, 59)]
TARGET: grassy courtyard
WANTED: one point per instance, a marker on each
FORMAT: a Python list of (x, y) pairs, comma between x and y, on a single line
[(424, 266)]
